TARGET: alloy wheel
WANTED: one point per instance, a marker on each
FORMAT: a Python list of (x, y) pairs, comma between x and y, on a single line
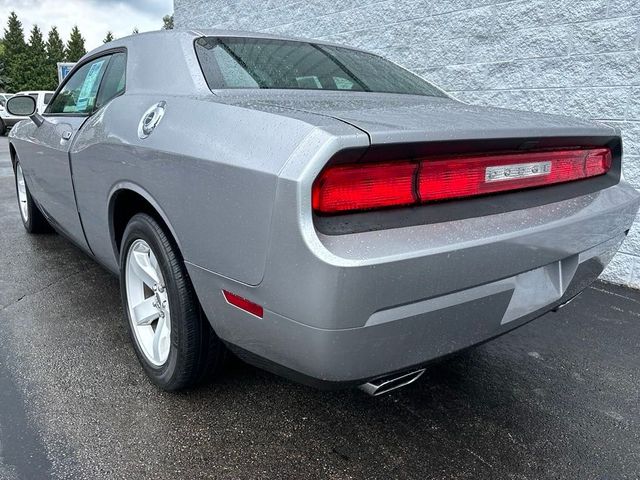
[(22, 194), (148, 303)]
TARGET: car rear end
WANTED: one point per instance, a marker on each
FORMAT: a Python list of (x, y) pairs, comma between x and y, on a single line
[(386, 257), (428, 226)]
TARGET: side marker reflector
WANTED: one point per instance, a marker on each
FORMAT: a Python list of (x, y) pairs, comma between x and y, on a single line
[(243, 304)]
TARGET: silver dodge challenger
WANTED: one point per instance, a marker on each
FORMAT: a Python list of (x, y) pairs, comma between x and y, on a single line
[(317, 210)]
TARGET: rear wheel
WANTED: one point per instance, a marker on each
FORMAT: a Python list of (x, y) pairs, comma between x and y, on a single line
[(172, 338), (3, 128), (32, 219)]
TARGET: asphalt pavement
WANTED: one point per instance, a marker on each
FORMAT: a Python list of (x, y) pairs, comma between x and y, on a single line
[(558, 398)]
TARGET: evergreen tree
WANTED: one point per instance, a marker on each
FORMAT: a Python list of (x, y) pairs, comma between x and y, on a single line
[(75, 46), (35, 65), (108, 38), (55, 54), (167, 22), (3, 77), (15, 50)]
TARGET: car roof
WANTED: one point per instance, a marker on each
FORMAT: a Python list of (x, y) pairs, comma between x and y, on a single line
[(248, 34), (167, 36), (164, 61)]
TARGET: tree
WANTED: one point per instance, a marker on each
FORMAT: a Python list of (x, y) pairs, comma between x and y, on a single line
[(55, 54), (55, 46), (108, 38), (75, 46), (167, 22), (3, 78), (35, 64), (15, 51), (14, 36)]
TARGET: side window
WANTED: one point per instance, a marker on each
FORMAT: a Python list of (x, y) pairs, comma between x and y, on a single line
[(47, 98), (309, 82), (114, 80), (342, 83), (79, 93)]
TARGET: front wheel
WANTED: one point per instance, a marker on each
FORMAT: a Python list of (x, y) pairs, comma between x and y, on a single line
[(172, 338), (32, 218)]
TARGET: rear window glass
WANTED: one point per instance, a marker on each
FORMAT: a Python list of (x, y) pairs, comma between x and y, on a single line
[(229, 62)]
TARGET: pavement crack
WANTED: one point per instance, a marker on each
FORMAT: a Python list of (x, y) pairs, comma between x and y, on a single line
[(609, 292), (46, 287), (478, 457)]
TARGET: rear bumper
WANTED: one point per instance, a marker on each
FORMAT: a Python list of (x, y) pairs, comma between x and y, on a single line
[(349, 308), (411, 335)]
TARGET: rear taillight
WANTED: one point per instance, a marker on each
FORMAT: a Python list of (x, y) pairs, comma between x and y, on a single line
[(469, 176), (364, 186)]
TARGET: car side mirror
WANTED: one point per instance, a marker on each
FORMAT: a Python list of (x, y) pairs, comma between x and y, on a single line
[(21, 106), (24, 106)]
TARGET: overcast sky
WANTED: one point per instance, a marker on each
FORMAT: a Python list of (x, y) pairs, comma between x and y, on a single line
[(93, 17)]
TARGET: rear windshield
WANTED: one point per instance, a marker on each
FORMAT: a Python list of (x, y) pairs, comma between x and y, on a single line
[(282, 64)]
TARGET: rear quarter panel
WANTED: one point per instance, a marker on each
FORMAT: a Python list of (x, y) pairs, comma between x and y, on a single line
[(210, 169)]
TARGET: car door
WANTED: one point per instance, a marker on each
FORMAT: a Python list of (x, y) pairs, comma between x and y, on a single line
[(50, 169)]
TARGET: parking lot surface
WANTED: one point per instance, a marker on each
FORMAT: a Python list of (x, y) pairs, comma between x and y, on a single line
[(558, 398)]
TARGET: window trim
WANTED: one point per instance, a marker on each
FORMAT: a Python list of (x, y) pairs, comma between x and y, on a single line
[(103, 53), (96, 107)]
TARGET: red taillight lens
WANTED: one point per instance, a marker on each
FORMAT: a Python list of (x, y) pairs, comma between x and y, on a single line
[(243, 304), (597, 162), (366, 186), (469, 176)]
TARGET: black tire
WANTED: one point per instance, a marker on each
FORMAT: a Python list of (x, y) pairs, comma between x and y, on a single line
[(35, 221), (196, 353), (3, 128)]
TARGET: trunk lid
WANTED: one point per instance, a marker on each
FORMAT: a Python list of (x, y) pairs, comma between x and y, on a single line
[(395, 118)]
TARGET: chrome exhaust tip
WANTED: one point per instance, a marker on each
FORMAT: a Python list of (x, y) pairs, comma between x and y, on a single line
[(383, 385), (564, 304)]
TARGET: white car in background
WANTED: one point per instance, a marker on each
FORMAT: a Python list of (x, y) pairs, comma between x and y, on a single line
[(42, 98), (3, 111)]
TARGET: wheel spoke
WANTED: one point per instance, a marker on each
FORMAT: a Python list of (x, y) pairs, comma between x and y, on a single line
[(158, 336), (143, 269), (145, 312), (153, 261)]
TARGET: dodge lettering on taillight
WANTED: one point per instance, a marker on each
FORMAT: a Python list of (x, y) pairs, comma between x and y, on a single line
[(521, 170)]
